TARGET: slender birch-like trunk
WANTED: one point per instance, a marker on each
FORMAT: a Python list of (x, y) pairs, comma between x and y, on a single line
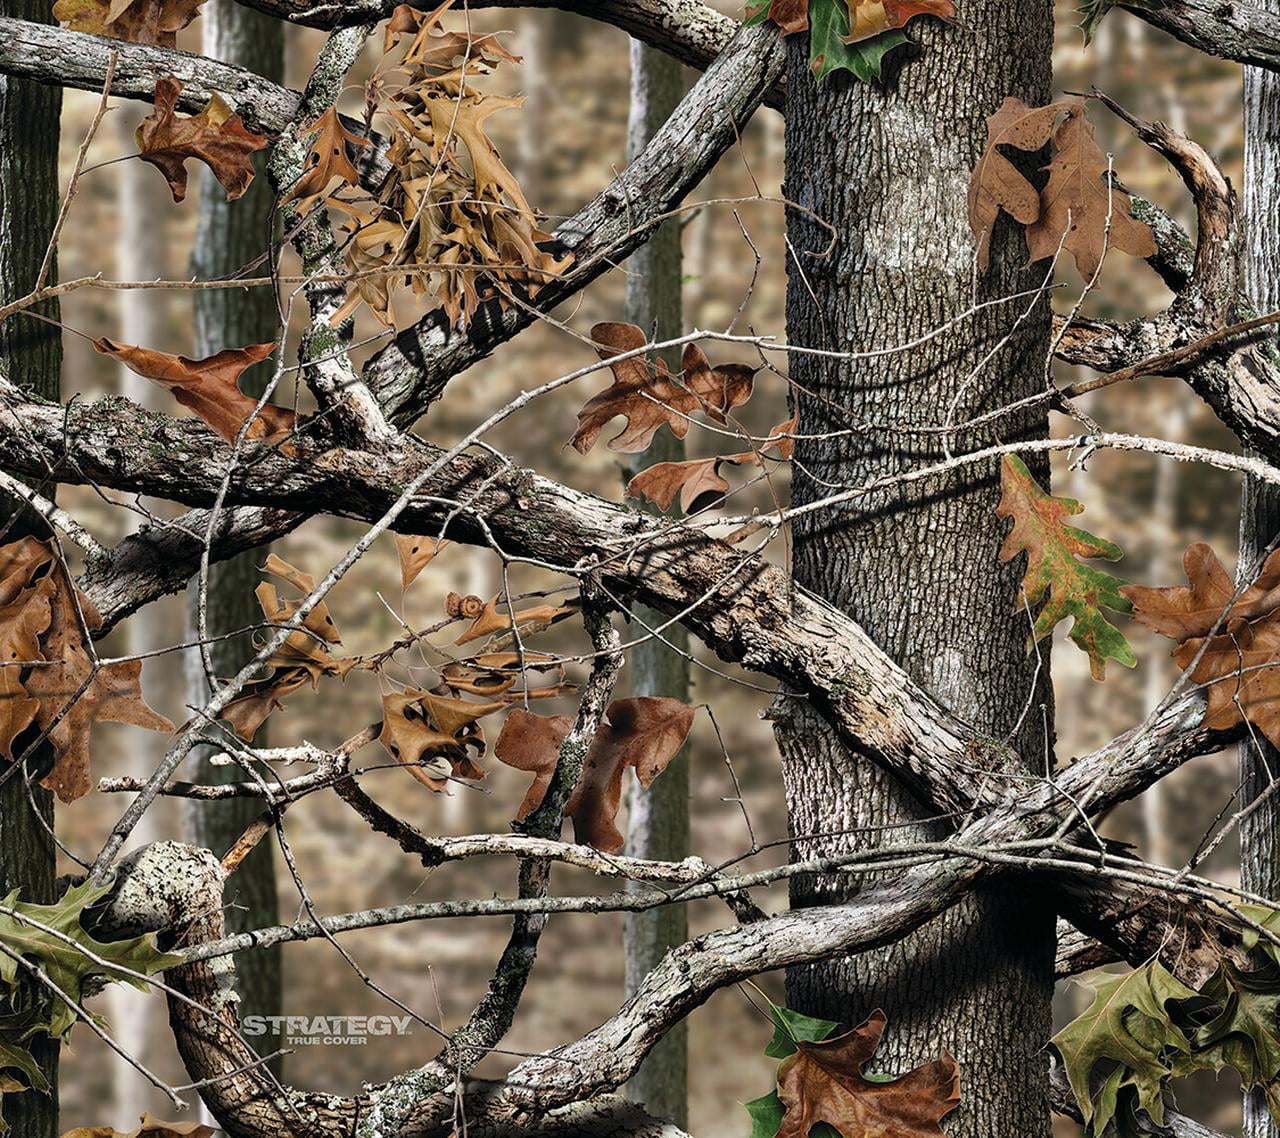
[(1260, 516), (658, 819)]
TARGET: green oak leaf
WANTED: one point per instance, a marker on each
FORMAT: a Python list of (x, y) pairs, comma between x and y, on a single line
[(766, 1117), (1055, 571), (63, 963), (828, 23), (791, 1027), (1091, 13), (1128, 1024)]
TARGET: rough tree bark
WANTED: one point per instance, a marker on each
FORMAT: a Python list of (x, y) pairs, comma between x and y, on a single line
[(229, 237), (888, 166), (658, 819), (31, 354), (1260, 513)]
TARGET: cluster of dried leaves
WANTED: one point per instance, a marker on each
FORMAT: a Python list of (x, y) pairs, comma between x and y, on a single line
[(51, 684), (1146, 1027), (1079, 208), (450, 212), (849, 35), (649, 397), (823, 1092)]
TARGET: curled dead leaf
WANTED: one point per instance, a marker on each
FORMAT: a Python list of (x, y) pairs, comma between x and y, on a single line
[(216, 136)]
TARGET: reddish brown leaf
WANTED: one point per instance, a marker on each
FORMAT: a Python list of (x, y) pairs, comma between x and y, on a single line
[(1239, 663), (823, 1082), (416, 552), (209, 387), (216, 136), (643, 733), (138, 21), (259, 699), (869, 18), (22, 623), (532, 743), (1205, 603)]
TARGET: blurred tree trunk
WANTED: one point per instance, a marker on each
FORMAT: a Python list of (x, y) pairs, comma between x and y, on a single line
[(888, 165), (143, 212), (1260, 515), (658, 819), (535, 52), (31, 356), (229, 236)]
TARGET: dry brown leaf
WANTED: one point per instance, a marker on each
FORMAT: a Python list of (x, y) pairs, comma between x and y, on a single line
[(996, 183), (1077, 200), (823, 1082), (531, 743), (318, 620), (648, 396), (1241, 662), (259, 699), (416, 552), (326, 159), (150, 1128), (493, 618), (698, 481), (23, 621), (209, 387), (138, 21), (216, 136), (644, 733), (418, 725), (73, 696), (20, 562), (1073, 208), (1196, 609)]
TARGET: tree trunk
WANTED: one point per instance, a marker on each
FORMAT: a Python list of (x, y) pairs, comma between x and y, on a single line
[(1260, 514), (143, 212), (31, 356), (888, 166), (658, 819), (229, 236)]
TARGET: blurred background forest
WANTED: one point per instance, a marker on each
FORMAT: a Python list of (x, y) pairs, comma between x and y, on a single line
[(567, 142)]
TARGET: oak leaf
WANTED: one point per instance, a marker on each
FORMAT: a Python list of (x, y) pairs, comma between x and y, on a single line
[(73, 694), (1073, 208), (210, 387), (259, 699), (532, 743), (1208, 600), (698, 481), (996, 183), (150, 1128), (823, 1083), (326, 159), (649, 396), (23, 621), (851, 35), (416, 552), (419, 725), (1238, 663), (1056, 575), (137, 21), (644, 733), (1128, 1023), (216, 136), (1077, 201), (495, 617)]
